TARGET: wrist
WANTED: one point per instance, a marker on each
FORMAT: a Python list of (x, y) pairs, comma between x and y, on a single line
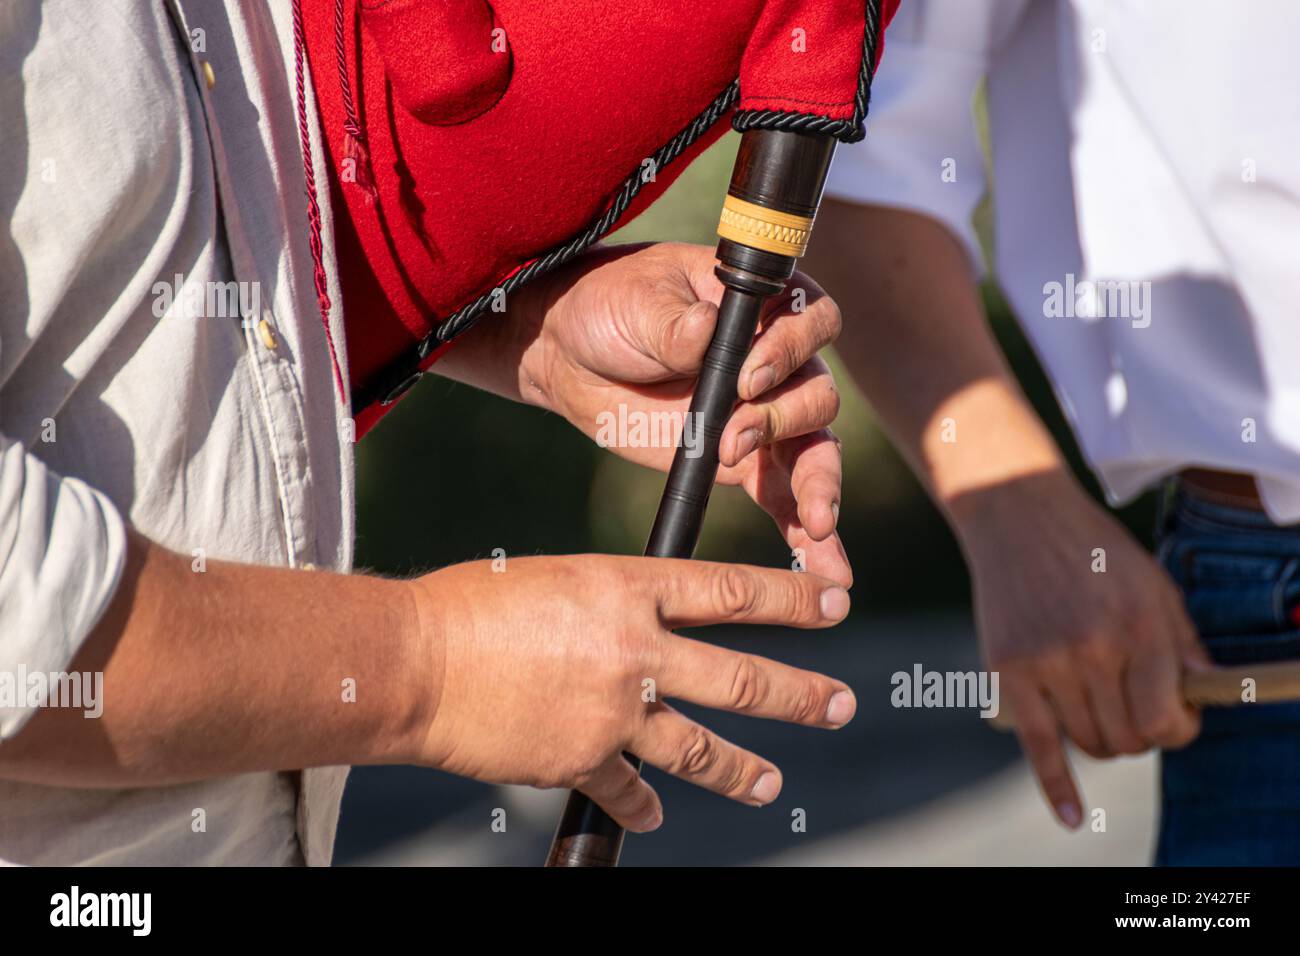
[(990, 520), (412, 641), (529, 341), (985, 454), (502, 354)]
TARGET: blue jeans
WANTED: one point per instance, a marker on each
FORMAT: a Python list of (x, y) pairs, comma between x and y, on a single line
[(1233, 796)]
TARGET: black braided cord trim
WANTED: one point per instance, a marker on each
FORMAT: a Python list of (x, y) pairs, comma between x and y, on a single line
[(390, 383)]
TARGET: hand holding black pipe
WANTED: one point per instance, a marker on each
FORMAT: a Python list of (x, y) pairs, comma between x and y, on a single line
[(767, 218)]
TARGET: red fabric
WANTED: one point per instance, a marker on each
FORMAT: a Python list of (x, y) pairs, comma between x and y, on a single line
[(472, 63), (806, 57), (497, 132)]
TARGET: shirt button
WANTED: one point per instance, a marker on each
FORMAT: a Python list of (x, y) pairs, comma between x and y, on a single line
[(265, 333), (209, 77)]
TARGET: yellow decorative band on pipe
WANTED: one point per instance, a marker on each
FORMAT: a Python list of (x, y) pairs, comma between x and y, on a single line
[(766, 229)]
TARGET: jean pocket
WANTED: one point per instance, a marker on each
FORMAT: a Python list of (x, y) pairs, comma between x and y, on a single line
[(1226, 568), (1229, 593)]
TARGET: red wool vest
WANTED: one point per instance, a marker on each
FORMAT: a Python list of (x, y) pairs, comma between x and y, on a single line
[(473, 146)]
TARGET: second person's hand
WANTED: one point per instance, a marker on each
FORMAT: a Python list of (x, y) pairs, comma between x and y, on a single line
[(1091, 656)]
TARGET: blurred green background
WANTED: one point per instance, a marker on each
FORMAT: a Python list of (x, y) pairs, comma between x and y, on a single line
[(453, 473)]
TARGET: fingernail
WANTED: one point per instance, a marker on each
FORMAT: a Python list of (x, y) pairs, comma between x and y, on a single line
[(841, 708), (746, 442), (766, 789), (835, 604), (652, 821), (1069, 814), (760, 380), (835, 512)]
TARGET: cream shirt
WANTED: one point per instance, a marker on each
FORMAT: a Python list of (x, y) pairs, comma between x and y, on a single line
[(141, 142)]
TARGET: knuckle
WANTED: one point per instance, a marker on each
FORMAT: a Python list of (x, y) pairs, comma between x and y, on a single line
[(1161, 726), (791, 354), (1096, 649), (1148, 612), (774, 421), (736, 783), (635, 656), (823, 435), (582, 769), (803, 599), (1126, 737), (1039, 741), (1131, 746), (1046, 663), (831, 399), (748, 687), (1022, 662), (696, 754), (832, 318), (1133, 611), (630, 583), (640, 800), (1094, 748), (733, 594), (666, 320), (1183, 733), (623, 717), (1188, 730), (809, 704)]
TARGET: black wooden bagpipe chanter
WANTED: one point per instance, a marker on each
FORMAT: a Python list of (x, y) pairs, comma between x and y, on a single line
[(546, 115), (765, 225)]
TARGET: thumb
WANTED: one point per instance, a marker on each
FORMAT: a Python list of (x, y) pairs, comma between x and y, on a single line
[(682, 308), (676, 332)]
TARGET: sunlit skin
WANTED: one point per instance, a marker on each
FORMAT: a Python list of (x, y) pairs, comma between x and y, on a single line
[(1092, 658), (630, 328), (533, 673)]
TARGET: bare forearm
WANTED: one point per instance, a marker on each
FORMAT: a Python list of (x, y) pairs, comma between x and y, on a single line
[(916, 342), (231, 669), (1094, 658)]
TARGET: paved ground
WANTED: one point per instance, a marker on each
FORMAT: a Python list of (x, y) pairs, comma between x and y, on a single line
[(898, 786)]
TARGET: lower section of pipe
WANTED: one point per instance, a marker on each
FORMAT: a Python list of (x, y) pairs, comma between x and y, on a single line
[(767, 218), (587, 835)]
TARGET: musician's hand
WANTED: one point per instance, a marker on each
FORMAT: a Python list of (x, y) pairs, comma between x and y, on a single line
[(628, 326), (1085, 655), (551, 668)]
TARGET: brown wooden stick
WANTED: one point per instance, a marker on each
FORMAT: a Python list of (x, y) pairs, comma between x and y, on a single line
[(1224, 687)]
